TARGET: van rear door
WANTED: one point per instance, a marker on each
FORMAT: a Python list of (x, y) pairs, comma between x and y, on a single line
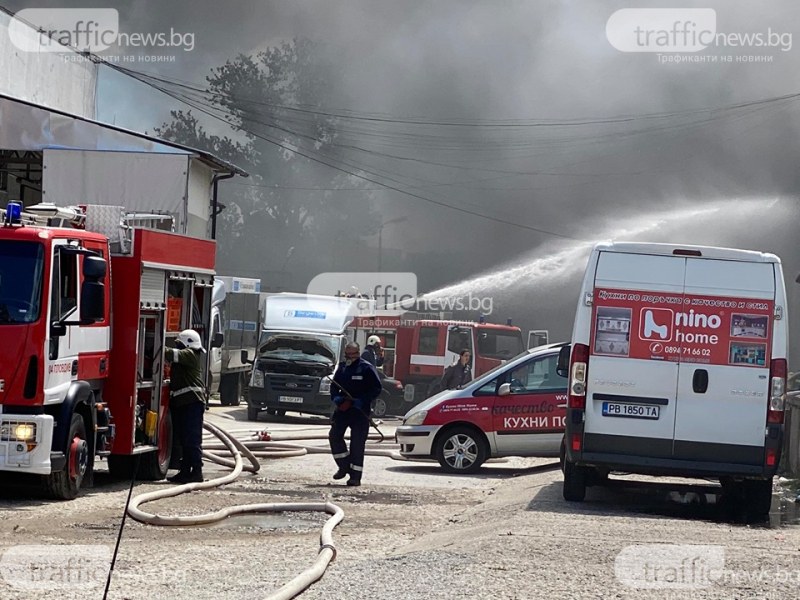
[(632, 382), (723, 375)]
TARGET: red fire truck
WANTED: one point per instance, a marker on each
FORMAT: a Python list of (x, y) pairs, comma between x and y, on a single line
[(417, 351), (90, 298)]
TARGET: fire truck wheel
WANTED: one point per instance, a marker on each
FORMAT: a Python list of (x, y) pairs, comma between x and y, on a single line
[(153, 466), (65, 485), (461, 450), (379, 410)]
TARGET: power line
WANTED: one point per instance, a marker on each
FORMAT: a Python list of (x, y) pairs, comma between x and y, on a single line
[(577, 121)]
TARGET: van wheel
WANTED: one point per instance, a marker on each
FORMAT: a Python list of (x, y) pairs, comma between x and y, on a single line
[(65, 485), (574, 482), (461, 450), (252, 412), (562, 453), (758, 497)]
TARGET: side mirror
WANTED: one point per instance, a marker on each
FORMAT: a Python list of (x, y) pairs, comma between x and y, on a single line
[(218, 340), (505, 389), (57, 329), (94, 268), (245, 358), (93, 302), (563, 360)]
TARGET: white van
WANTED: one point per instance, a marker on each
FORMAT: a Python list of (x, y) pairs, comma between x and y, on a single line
[(678, 367)]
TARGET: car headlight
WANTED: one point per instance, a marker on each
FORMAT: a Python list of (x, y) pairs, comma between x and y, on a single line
[(325, 385), (18, 432), (417, 418), (258, 378)]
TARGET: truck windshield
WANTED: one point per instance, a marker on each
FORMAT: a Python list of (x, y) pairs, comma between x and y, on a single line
[(498, 343), (21, 267), (298, 347)]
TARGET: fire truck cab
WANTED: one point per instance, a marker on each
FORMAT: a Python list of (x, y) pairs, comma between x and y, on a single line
[(87, 309)]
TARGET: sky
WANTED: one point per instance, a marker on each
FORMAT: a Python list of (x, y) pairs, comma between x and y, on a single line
[(507, 72)]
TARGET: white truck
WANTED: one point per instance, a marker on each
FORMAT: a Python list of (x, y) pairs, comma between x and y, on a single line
[(235, 318), (301, 342)]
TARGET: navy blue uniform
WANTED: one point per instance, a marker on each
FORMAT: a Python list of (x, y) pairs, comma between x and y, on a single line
[(361, 381)]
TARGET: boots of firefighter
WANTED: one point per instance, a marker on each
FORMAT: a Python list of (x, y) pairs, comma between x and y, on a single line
[(181, 476), (196, 475)]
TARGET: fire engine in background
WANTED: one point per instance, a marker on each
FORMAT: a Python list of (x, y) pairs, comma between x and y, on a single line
[(76, 383), (417, 351)]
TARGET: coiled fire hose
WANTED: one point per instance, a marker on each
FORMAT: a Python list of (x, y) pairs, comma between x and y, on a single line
[(252, 450)]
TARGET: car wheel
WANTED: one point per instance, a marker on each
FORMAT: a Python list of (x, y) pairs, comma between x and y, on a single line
[(379, 410), (574, 482), (461, 450)]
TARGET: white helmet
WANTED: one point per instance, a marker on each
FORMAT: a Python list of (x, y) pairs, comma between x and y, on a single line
[(373, 340), (191, 339)]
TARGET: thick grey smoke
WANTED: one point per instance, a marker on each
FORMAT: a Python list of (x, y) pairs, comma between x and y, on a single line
[(520, 61)]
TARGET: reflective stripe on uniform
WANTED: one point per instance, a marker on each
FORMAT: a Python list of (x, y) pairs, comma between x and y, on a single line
[(175, 355), (341, 455), (357, 467), (194, 388)]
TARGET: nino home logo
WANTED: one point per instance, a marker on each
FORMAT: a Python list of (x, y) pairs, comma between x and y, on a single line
[(663, 324)]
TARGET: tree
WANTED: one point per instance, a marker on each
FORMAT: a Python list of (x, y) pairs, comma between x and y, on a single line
[(272, 102)]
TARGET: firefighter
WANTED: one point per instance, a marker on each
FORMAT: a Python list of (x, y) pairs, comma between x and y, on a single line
[(373, 353), (355, 386), (188, 403), (458, 374)]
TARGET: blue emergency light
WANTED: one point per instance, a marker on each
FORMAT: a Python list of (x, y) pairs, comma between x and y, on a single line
[(13, 213)]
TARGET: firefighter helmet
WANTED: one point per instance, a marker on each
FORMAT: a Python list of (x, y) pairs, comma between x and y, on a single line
[(373, 340), (190, 339)]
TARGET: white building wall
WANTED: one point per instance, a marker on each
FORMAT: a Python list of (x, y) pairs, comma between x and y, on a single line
[(198, 205), (65, 81)]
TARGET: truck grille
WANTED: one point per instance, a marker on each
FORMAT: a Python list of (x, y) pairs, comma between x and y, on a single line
[(281, 383)]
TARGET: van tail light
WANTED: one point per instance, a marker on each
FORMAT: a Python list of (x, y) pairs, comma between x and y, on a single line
[(579, 369), (772, 457), (576, 442), (777, 391)]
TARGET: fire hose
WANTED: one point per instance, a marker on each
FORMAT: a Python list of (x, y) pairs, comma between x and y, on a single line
[(252, 450)]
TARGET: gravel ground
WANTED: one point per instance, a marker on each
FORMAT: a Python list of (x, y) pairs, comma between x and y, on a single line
[(409, 532)]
